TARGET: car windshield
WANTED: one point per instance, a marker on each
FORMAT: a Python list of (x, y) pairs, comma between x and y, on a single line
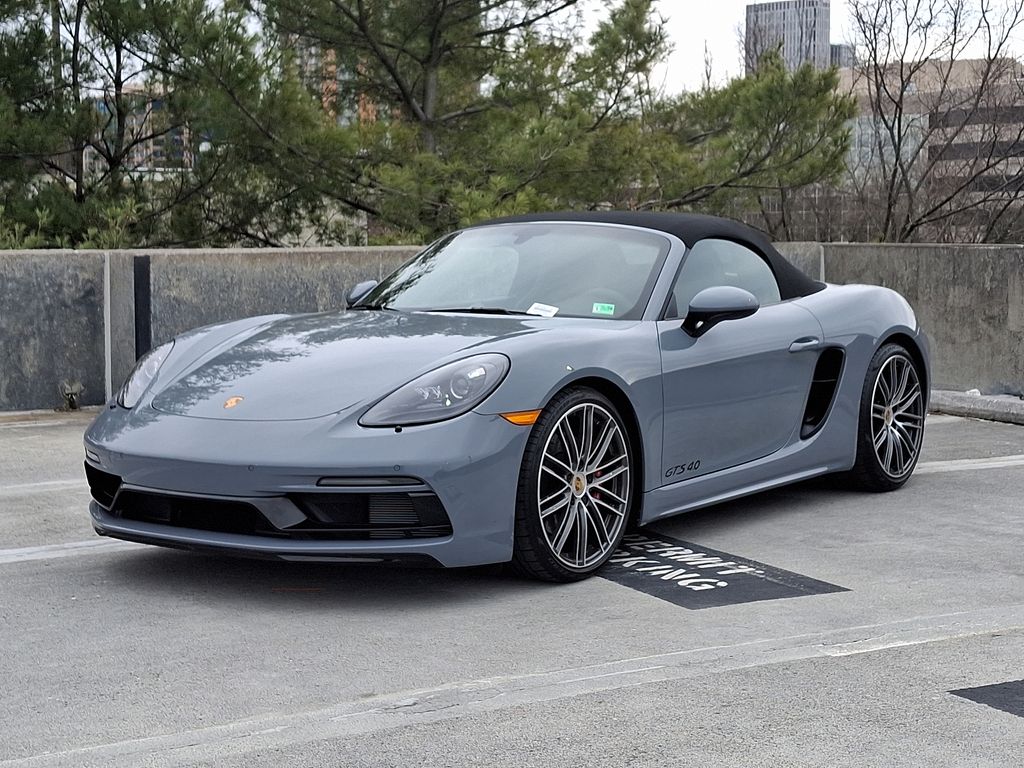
[(545, 269)]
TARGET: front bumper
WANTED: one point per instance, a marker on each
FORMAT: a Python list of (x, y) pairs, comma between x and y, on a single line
[(471, 464), (106, 524)]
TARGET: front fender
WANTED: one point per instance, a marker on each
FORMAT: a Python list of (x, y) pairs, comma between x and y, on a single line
[(625, 356)]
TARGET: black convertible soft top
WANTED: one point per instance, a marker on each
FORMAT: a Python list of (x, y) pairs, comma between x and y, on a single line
[(690, 228)]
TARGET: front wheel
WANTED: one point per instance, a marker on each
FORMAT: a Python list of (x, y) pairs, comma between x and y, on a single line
[(891, 424), (575, 488)]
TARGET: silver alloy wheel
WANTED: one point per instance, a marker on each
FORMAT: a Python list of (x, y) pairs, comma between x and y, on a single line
[(583, 486), (897, 416)]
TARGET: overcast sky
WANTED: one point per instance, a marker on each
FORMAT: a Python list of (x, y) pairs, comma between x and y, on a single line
[(691, 23)]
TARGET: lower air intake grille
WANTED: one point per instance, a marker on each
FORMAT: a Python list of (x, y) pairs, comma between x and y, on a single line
[(190, 512), (102, 485), (329, 516), (396, 509), (374, 515)]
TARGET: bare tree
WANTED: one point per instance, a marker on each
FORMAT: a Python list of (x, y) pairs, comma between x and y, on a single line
[(937, 146)]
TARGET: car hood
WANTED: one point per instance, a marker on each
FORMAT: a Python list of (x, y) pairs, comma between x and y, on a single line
[(306, 366)]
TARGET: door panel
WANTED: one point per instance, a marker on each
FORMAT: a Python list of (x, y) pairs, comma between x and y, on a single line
[(737, 393)]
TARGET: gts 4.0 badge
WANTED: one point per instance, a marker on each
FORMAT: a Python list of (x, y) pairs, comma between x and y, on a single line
[(683, 469)]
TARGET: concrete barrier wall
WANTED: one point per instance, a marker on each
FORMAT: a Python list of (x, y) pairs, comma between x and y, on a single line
[(807, 257), (969, 299), (51, 327), (71, 315)]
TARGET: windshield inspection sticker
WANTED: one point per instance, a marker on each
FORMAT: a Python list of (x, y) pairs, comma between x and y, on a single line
[(695, 577), (603, 309), (543, 310)]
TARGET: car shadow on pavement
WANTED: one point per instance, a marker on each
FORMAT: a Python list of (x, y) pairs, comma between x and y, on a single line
[(785, 505), (211, 578)]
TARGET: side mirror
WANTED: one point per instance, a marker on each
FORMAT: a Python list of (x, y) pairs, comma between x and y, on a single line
[(359, 290), (713, 305)]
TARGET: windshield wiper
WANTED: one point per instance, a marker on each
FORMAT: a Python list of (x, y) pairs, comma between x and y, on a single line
[(481, 310), (374, 307)]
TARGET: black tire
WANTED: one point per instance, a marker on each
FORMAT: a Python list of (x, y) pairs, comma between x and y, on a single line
[(870, 471), (533, 553)]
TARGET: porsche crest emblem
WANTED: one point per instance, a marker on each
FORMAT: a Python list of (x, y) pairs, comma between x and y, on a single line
[(232, 401)]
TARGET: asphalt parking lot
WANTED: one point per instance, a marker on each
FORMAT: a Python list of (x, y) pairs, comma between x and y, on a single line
[(843, 625)]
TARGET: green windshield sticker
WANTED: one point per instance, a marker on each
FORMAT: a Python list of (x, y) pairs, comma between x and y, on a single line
[(603, 309)]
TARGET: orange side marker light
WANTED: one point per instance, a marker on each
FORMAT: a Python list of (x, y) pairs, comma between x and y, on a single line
[(522, 418)]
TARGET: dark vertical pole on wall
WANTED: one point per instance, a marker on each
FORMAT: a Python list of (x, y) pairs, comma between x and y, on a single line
[(143, 317)]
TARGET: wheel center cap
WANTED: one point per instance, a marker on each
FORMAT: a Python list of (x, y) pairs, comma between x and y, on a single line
[(579, 485), (889, 417)]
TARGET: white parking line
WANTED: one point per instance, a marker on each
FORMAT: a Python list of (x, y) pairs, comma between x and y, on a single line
[(941, 418), (29, 424), (965, 465), (41, 486), (67, 549)]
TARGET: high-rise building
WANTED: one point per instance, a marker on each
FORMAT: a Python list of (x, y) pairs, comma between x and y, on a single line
[(156, 140), (798, 28), (334, 82), (843, 56)]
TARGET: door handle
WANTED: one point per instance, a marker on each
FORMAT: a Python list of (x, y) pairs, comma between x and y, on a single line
[(805, 343)]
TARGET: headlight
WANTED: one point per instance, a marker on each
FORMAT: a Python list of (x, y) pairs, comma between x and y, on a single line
[(142, 375), (444, 393)]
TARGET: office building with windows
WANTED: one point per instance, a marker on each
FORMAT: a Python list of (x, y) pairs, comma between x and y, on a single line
[(798, 28)]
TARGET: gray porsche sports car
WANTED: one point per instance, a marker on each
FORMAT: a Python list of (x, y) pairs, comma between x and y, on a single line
[(522, 390)]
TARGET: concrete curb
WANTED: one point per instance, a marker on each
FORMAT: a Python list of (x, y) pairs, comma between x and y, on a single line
[(1006, 408), (19, 417)]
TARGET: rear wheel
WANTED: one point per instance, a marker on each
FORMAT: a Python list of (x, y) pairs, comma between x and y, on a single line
[(892, 413), (575, 488)]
